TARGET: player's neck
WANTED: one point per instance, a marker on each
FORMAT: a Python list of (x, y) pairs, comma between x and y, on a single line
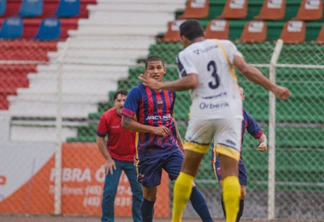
[(199, 39)]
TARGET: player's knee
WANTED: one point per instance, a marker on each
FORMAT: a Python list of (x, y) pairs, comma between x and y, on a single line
[(149, 194), (243, 193)]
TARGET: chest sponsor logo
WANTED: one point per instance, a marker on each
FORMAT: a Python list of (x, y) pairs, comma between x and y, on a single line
[(204, 105), (157, 117)]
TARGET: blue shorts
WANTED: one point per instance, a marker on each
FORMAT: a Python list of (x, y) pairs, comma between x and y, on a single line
[(241, 167), (149, 170)]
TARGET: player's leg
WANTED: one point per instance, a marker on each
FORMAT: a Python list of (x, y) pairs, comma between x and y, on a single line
[(228, 140), (109, 194), (198, 137), (149, 175), (217, 172), (147, 206), (243, 182), (172, 166), (136, 187)]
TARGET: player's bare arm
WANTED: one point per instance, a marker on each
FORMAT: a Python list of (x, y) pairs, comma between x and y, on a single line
[(130, 124), (254, 75), (263, 143), (189, 81), (179, 140), (110, 165)]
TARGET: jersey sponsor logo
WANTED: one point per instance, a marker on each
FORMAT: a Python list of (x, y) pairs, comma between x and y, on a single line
[(157, 117), (204, 105), (198, 51), (115, 127)]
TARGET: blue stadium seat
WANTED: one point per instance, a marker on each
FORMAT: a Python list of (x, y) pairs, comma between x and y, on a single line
[(2, 7), (31, 8), (12, 28), (49, 29), (68, 8)]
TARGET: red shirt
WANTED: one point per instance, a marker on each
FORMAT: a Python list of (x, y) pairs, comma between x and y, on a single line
[(121, 142)]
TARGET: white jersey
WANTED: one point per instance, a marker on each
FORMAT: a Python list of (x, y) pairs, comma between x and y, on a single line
[(217, 95)]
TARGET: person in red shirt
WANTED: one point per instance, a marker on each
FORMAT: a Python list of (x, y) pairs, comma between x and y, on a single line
[(119, 154)]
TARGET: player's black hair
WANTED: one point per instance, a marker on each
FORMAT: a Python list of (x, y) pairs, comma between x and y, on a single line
[(191, 29), (122, 92), (153, 58)]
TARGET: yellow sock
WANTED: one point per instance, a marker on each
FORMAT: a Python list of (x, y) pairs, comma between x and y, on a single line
[(181, 194), (231, 197)]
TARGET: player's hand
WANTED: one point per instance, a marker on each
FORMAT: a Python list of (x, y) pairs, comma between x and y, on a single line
[(262, 147), (150, 82), (135, 160), (281, 92), (160, 131), (110, 166)]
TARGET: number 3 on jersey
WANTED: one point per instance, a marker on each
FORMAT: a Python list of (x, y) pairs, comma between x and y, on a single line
[(212, 67)]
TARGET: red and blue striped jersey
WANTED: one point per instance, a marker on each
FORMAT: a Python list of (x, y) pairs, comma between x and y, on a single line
[(152, 108)]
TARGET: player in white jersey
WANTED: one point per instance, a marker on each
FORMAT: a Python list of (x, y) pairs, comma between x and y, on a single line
[(206, 68)]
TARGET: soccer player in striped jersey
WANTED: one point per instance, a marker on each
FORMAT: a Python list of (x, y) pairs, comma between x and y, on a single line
[(159, 142), (254, 130), (206, 68)]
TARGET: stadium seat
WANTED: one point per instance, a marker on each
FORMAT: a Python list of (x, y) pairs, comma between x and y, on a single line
[(235, 9), (173, 33), (31, 8), (197, 9), (68, 8), (217, 29), (310, 10), (293, 32), (2, 7), (12, 28), (49, 29), (320, 38), (254, 31), (272, 10)]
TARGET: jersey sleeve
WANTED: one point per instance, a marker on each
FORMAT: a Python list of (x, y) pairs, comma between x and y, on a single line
[(132, 102), (185, 64), (231, 50), (102, 130), (253, 128)]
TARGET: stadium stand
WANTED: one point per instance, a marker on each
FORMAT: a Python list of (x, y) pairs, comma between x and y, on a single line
[(217, 29), (236, 9), (50, 8), (31, 8), (49, 29), (196, 9), (272, 10), (310, 10), (293, 32), (11, 28), (254, 31)]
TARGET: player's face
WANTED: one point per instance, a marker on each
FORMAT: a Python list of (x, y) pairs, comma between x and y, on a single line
[(242, 93), (155, 70), (119, 103)]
